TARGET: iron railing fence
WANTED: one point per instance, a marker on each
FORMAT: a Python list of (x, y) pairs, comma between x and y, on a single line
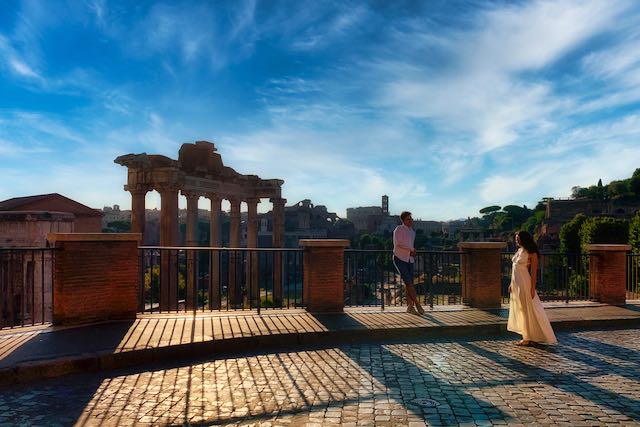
[(561, 277), (174, 279), (372, 280), (633, 277), (26, 286)]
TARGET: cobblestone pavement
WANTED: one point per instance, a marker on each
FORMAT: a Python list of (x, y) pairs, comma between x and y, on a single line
[(590, 378)]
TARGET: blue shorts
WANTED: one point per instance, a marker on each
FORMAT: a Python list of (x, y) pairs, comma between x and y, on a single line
[(405, 269)]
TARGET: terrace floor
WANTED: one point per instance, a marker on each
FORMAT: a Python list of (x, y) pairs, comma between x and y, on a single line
[(47, 351)]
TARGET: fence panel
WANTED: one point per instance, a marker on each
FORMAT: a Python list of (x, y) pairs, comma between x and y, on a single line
[(372, 280), (561, 277), (633, 277), (26, 286), (175, 279)]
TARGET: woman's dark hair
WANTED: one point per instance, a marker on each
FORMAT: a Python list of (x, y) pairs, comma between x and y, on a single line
[(527, 242)]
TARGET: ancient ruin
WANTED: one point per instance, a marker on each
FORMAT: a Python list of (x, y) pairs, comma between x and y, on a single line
[(199, 172)]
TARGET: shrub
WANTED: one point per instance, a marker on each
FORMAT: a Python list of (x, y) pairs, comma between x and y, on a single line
[(604, 230), (570, 235)]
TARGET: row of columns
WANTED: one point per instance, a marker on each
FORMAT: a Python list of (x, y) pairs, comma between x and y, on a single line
[(169, 217), (169, 237)]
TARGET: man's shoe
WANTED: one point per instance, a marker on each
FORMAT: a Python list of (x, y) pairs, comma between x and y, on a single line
[(412, 310), (420, 309)]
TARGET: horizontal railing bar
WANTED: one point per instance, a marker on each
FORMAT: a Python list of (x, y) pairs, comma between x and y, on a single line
[(212, 248)]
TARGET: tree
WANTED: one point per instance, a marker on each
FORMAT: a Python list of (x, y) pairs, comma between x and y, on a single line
[(490, 209), (634, 233), (570, 235), (604, 229)]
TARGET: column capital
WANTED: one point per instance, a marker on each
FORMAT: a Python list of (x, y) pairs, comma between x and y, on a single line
[(138, 189), (191, 194), (278, 201), (214, 197), (167, 188), (253, 200)]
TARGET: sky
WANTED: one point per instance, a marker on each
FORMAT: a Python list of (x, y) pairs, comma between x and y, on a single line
[(445, 106)]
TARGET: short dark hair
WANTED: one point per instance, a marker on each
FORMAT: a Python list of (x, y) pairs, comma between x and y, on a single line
[(404, 215)]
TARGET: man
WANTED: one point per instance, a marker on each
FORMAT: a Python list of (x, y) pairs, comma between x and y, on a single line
[(403, 259)]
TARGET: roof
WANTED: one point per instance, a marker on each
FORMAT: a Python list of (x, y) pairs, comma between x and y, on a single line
[(51, 202)]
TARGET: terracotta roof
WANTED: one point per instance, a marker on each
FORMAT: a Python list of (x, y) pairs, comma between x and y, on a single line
[(41, 202)]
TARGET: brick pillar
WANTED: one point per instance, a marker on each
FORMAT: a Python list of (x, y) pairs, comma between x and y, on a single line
[(96, 276), (608, 273), (481, 273), (324, 274)]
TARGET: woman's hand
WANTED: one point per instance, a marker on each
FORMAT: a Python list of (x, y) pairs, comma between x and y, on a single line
[(509, 288), (533, 293)]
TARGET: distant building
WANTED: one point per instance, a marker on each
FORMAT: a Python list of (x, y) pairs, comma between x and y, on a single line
[(560, 211), (366, 218), (85, 219)]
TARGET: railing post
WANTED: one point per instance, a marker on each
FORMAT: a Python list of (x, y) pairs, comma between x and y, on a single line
[(95, 276), (324, 274), (481, 273), (608, 273)]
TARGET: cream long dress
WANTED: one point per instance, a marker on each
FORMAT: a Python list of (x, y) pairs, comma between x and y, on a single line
[(526, 314)]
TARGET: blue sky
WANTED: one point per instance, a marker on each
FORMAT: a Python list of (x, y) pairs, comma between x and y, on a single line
[(445, 106)]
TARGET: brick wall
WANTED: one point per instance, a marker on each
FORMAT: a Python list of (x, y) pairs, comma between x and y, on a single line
[(95, 277), (607, 273), (481, 273), (324, 274)]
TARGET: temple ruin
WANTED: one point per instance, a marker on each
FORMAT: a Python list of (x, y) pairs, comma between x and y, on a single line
[(199, 172)]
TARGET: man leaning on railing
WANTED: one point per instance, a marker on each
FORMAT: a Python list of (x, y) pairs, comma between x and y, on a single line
[(403, 259)]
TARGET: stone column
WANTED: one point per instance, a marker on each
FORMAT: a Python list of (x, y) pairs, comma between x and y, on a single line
[(235, 257), (252, 243), (608, 273), (214, 260), (324, 274), (138, 210), (277, 242), (192, 255), (481, 273), (168, 237)]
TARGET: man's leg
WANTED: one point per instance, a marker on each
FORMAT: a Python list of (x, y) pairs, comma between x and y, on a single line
[(405, 270)]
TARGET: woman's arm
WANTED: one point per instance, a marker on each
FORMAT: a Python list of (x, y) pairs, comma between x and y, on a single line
[(534, 273)]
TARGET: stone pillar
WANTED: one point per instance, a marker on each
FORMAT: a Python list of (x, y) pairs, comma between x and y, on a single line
[(192, 256), (277, 242), (138, 210), (235, 257), (252, 243), (96, 276), (608, 273), (481, 273), (168, 237), (214, 260)]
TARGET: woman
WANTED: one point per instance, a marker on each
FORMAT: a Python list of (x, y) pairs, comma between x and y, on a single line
[(526, 314)]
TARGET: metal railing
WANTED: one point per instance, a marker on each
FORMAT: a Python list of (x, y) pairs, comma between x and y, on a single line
[(633, 277), (26, 286), (372, 280), (186, 279), (561, 277)]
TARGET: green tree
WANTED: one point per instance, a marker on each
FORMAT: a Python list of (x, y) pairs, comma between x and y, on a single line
[(119, 226), (604, 230), (570, 235), (634, 233)]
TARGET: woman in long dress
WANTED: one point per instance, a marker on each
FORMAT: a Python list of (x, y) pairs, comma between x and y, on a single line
[(526, 314)]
